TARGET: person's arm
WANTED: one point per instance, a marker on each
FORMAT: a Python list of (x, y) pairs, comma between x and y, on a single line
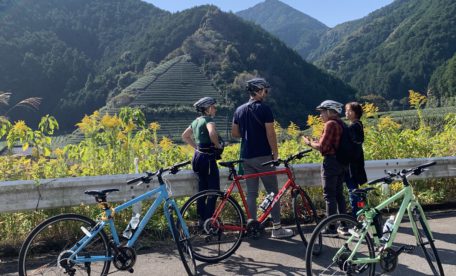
[(235, 132), (187, 137), (213, 135), (313, 144), (272, 139)]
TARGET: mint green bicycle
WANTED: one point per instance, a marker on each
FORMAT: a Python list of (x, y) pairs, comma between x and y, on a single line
[(365, 245)]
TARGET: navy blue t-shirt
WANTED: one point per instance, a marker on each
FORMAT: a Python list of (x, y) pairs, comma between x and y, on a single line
[(253, 131)]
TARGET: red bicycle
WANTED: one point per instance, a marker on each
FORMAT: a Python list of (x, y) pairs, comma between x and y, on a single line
[(220, 235)]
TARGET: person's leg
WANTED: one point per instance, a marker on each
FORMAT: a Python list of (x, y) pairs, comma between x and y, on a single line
[(213, 184), (329, 180), (340, 198), (351, 185), (200, 166), (252, 187)]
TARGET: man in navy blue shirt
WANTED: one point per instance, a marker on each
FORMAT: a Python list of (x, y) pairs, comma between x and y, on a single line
[(254, 123)]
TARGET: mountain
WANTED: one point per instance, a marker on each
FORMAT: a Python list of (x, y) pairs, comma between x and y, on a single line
[(81, 54), (396, 48), (298, 30)]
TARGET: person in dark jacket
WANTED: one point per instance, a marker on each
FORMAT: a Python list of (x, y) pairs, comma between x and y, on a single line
[(355, 174)]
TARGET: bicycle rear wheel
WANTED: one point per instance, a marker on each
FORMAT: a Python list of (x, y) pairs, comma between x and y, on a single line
[(425, 241), (184, 246), (47, 248), (305, 215), (213, 239), (336, 248)]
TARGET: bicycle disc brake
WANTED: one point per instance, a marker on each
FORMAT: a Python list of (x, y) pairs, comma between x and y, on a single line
[(124, 258), (388, 259)]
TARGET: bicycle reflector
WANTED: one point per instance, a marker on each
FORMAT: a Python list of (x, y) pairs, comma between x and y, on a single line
[(361, 204)]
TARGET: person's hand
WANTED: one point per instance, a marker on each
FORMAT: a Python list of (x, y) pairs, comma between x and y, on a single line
[(306, 140)]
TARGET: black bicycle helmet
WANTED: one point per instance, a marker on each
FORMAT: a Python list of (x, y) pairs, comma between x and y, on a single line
[(257, 84), (202, 104)]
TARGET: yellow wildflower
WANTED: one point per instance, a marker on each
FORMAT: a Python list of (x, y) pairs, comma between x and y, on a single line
[(387, 123), (293, 130), (154, 126), (166, 143), (370, 110), (416, 100)]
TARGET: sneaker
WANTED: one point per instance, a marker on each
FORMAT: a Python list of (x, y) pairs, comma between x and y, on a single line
[(281, 233), (343, 230)]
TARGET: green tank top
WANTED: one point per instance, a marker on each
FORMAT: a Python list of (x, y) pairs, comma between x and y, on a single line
[(200, 132)]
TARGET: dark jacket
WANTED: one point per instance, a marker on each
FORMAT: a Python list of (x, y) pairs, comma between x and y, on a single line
[(356, 168)]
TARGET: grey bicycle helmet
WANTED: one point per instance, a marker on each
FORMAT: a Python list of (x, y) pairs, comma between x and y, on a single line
[(332, 105), (257, 84), (202, 104)]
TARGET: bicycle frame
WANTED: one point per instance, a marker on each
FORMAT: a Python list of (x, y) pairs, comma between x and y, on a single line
[(236, 183), (409, 203), (162, 196)]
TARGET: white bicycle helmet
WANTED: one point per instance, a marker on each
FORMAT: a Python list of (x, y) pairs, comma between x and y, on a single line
[(330, 104)]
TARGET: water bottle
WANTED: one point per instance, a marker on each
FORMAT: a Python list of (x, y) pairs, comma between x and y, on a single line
[(387, 228), (267, 201), (131, 227)]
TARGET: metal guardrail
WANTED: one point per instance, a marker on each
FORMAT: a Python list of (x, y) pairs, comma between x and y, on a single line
[(24, 195)]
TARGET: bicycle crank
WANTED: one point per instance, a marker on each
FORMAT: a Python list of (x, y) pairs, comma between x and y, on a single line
[(125, 258)]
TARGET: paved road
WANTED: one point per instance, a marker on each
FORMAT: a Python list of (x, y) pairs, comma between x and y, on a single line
[(286, 257)]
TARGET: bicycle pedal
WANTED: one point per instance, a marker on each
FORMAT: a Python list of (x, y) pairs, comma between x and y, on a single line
[(409, 248)]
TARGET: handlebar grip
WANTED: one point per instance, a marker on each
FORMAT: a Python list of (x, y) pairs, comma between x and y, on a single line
[(427, 165), (185, 163), (272, 162), (305, 151), (385, 179), (135, 180)]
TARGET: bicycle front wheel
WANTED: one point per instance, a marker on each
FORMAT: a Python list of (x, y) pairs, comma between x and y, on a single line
[(425, 241), (47, 248), (213, 239), (183, 243), (336, 248), (304, 213)]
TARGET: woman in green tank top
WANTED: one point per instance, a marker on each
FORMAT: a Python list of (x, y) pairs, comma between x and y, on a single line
[(203, 137)]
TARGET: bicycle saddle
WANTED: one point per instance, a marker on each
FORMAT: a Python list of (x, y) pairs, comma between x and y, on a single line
[(230, 164), (362, 191), (100, 193)]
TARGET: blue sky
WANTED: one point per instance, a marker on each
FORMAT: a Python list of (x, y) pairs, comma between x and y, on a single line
[(330, 12)]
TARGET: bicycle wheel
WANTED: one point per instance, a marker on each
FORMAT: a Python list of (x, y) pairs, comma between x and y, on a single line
[(336, 248), (45, 250), (427, 245), (184, 246), (305, 215), (214, 239)]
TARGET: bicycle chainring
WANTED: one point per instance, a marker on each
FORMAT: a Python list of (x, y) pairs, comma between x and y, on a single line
[(253, 228), (125, 258), (388, 259)]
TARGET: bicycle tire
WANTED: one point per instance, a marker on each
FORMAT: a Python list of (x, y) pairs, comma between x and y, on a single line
[(305, 214), (45, 246), (183, 244), (211, 243), (317, 264), (427, 245)]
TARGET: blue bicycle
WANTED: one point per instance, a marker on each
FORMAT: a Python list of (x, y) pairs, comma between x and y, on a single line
[(72, 244)]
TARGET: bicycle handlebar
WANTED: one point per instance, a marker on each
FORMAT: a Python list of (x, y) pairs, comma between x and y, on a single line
[(279, 161), (148, 177), (403, 173)]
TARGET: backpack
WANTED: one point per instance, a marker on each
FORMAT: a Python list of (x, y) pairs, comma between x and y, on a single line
[(345, 153)]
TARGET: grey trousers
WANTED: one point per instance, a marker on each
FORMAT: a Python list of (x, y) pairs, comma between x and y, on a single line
[(332, 176), (253, 165)]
